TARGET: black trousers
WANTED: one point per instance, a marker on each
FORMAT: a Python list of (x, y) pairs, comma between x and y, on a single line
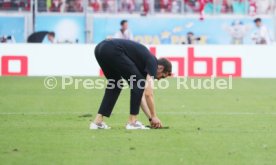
[(117, 65)]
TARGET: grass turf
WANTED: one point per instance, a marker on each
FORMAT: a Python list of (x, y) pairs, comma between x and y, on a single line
[(207, 127)]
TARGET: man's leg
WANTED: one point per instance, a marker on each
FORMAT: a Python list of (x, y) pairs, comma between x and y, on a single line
[(112, 91), (108, 102), (110, 97), (136, 80), (136, 93)]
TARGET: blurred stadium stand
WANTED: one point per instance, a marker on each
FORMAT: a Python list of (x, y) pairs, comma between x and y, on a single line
[(32, 13), (147, 6)]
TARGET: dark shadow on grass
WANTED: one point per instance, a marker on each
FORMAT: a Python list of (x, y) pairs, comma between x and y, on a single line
[(86, 115)]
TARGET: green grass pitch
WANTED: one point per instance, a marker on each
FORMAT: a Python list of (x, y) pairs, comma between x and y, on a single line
[(207, 127)]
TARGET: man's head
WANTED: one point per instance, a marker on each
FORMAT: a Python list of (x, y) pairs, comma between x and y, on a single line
[(258, 22), (164, 68), (124, 25), (190, 34), (51, 36)]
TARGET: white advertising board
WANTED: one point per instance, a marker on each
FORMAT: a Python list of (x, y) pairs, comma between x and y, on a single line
[(78, 60)]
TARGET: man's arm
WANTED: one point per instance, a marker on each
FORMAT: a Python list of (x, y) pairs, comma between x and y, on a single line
[(145, 107), (117, 35), (155, 122), (131, 36)]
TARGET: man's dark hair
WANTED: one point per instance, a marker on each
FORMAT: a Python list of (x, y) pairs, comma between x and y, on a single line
[(52, 34), (123, 22), (167, 65), (257, 20)]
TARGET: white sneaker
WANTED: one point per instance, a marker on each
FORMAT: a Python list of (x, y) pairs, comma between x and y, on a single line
[(136, 125), (101, 125)]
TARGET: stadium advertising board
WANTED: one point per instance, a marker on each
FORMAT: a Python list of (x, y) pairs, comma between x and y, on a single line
[(68, 29), (232, 30), (79, 60), (12, 29)]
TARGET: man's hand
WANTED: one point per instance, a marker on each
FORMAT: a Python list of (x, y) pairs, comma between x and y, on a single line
[(155, 122)]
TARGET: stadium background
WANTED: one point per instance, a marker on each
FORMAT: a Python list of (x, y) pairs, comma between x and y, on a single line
[(154, 23), (151, 22), (41, 125)]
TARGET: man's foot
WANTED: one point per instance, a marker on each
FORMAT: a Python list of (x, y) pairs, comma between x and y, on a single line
[(101, 125), (136, 125)]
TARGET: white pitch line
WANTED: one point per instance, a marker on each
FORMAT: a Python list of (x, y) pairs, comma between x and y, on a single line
[(219, 113), (166, 113)]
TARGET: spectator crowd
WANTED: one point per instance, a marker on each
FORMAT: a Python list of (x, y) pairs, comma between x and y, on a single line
[(60, 6), (15, 5), (251, 7)]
